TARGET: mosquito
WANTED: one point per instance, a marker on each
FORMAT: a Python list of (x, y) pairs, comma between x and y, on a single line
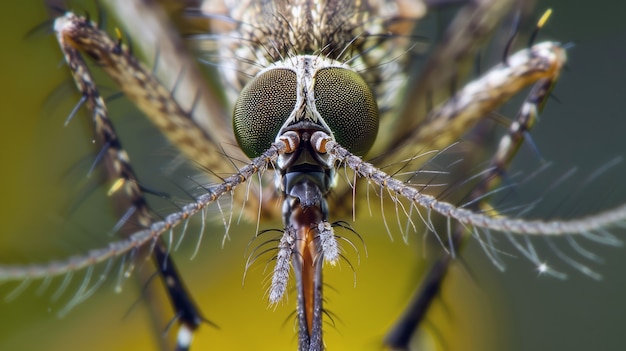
[(320, 113)]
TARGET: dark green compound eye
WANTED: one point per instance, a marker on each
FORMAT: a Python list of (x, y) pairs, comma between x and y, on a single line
[(347, 105), (262, 108)]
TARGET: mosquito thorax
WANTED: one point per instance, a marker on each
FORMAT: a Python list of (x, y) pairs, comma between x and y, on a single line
[(312, 92)]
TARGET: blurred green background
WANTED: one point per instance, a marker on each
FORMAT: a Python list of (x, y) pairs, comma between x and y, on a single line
[(47, 214)]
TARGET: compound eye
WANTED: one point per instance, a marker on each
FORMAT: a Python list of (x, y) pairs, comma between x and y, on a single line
[(262, 107), (347, 105)]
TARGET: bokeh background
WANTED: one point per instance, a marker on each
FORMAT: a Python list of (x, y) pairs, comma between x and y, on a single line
[(48, 212)]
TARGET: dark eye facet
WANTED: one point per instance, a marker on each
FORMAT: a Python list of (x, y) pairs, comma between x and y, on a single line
[(262, 107), (347, 105)]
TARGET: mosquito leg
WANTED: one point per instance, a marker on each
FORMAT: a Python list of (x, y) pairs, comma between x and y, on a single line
[(156, 101), (474, 101), (119, 168), (115, 157), (150, 28), (188, 315), (399, 337), (401, 334), (471, 27)]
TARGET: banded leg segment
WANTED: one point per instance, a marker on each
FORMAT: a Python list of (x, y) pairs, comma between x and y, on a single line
[(477, 99), (142, 88), (119, 168), (187, 313), (115, 157), (156, 101)]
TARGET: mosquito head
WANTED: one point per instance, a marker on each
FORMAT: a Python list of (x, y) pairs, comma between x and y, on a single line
[(311, 91)]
